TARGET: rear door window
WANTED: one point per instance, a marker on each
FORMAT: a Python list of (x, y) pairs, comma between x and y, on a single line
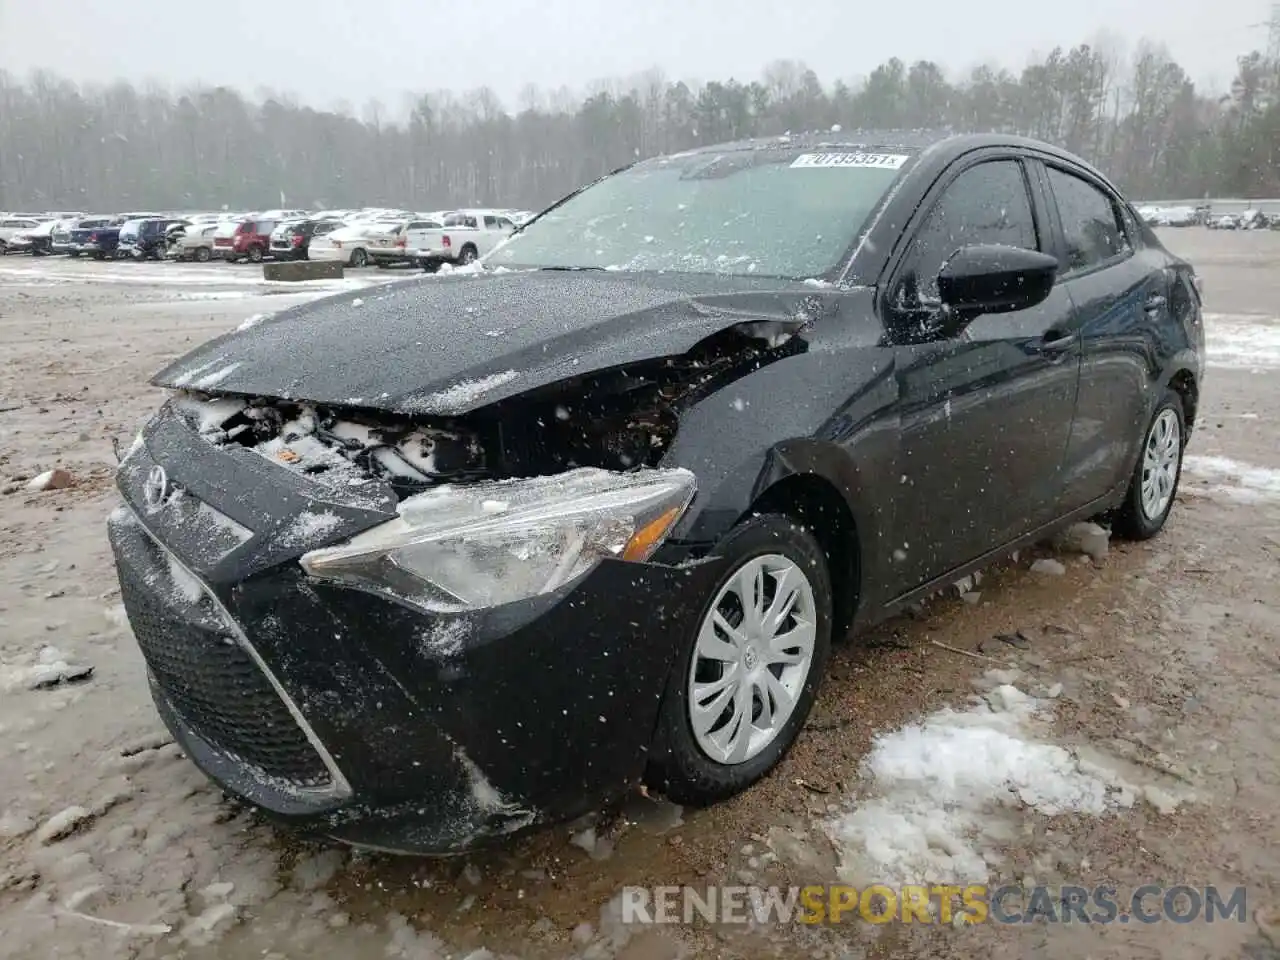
[(1091, 222)]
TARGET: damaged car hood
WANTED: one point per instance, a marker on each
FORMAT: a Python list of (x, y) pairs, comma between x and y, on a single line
[(447, 345)]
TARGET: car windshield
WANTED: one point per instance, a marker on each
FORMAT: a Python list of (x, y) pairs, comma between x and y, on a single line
[(765, 212)]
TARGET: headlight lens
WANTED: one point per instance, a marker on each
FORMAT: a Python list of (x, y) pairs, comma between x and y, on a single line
[(460, 548)]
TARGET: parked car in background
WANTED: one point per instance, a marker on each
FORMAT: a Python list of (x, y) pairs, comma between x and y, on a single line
[(127, 236), (461, 586), (399, 243), (348, 244), (10, 226), (291, 240), (251, 240), (194, 243), (465, 236), (102, 242), (38, 241), (62, 233), (150, 239)]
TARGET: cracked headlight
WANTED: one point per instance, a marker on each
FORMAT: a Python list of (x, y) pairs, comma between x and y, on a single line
[(480, 545)]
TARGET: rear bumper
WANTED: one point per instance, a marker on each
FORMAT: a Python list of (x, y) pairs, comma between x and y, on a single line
[(380, 724)]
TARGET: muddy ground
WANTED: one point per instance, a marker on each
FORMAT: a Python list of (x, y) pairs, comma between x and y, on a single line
[(1160, 661)]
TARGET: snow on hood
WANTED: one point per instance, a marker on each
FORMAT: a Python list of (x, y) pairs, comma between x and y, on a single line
[(447, 345)]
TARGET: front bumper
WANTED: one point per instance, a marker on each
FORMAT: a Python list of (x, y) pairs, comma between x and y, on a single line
[(357, 715)]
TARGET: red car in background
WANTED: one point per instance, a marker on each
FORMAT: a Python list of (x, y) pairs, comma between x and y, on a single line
[(251, 241)]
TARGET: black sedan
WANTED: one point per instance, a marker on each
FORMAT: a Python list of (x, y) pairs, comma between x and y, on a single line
[(476, 553)]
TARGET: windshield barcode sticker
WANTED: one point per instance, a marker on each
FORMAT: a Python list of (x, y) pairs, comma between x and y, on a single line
[(889, 161)]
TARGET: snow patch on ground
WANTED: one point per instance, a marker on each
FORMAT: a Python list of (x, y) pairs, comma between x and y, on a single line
[(1242, 340), (131, 274), (461, 394), (941, 790), (1234, 480), (250, 322)]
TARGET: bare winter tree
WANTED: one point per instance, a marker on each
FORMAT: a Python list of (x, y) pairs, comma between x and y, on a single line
[(115, 147)]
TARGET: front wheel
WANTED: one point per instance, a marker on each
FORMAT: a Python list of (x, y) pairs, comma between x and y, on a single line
[(745, 679), (1154, 484)]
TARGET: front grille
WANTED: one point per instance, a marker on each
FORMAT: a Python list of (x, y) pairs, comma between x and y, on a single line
[(215, 687)]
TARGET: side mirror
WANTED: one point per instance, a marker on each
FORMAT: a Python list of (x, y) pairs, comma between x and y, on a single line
[(991, 278)]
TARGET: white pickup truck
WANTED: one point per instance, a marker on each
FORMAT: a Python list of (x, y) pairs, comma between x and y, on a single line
[(466, 236), (398, 243)]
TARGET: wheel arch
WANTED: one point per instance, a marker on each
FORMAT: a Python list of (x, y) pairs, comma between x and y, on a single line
[(815, 482), (1183, 381)]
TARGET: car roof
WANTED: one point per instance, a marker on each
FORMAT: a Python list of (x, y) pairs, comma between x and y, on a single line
[(941, 146)]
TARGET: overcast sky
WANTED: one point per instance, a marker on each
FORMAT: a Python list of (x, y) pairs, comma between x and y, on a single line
[(325, 51)]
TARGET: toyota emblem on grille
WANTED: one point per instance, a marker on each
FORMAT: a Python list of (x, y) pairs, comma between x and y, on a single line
[(156, 490)]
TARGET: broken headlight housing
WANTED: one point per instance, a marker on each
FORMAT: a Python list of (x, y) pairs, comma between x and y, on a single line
[(457, 548)]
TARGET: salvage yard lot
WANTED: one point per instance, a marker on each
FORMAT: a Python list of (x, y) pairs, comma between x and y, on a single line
[(1152, 758)]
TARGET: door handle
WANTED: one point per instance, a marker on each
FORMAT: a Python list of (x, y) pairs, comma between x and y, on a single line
[(1055, 341)]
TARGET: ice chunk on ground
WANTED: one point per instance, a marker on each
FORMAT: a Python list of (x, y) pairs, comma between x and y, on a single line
[(942, 789), (63, 824)]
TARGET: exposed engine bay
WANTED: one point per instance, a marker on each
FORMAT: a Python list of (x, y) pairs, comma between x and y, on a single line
[(619, 419)]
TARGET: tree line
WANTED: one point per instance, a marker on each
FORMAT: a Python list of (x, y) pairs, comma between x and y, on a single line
[(103, 148)]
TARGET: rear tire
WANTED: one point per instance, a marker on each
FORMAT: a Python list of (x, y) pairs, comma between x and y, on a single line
[(359, 258), (1153, 487), (712, 763), (468, 255)]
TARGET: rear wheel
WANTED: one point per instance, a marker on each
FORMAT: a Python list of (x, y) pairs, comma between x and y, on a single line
[(1154, 484), (745, 680), (359, 258), (468, 255), (255, 254), (73, 254)]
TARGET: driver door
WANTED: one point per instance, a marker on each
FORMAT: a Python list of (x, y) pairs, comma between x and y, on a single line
[(985, 414)]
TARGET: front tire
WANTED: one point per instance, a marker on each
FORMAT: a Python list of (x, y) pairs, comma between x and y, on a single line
[(203, 254), (745, 680), (1154, 485)]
